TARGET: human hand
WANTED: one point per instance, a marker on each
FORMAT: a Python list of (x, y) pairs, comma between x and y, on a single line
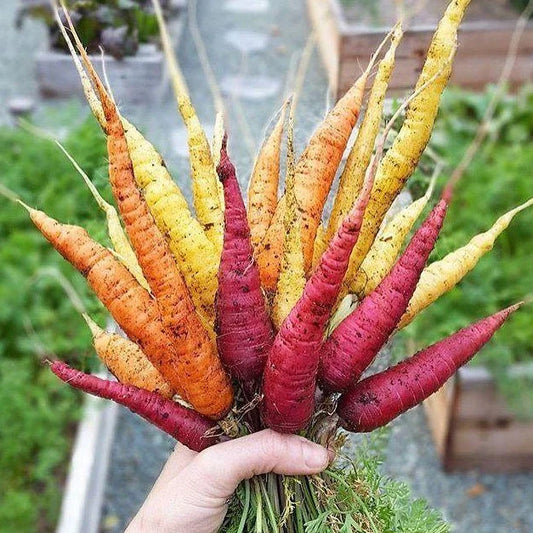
[(192, 492)]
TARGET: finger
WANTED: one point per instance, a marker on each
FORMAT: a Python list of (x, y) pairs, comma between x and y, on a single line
[(178, 460), (224, 466)]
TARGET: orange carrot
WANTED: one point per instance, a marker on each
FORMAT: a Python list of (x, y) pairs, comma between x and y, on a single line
[(263, 189), (314, 175), (126, 361), (205, 382), (131, 306)]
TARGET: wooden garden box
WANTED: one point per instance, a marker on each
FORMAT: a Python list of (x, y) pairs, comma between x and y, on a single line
[(135, 80), (473, 428), (345, 47)]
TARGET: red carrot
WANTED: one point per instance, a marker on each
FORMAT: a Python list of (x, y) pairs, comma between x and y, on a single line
[(185, 425), (380, 398), (355, 342), (243, 326), (289, 380)]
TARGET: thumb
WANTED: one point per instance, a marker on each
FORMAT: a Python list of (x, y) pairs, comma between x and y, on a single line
[(225, 465)]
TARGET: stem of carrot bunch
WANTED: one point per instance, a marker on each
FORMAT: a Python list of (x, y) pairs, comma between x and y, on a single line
[(258, 507), (263, 481), (246, 506)]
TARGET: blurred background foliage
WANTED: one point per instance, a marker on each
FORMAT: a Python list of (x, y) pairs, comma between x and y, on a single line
[(37, 319), (118, 26), (499, 178)]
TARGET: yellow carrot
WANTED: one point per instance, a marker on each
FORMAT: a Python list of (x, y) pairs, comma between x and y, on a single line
[(216, 147), (263, 189), (291, 280), (126, 361), (118, 238), (194, 252), (346, 306), (383, 253), (196, 255), (353, 174), (441, 276), (320, 244), (205, 182), (401, 159)]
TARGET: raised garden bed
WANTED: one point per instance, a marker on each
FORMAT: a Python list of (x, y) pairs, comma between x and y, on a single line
[(137, 79), (474, 429), (349, 31), (83, 496)]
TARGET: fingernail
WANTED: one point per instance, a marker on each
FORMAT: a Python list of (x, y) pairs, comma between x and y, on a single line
[(315, 457)]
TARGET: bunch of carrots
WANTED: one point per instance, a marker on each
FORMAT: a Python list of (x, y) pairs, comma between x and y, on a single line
[(235, 317)]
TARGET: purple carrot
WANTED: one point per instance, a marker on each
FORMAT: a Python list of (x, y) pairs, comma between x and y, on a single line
[(354, 344), (380, 398), (289, 381), (185, 425), (243, 326)]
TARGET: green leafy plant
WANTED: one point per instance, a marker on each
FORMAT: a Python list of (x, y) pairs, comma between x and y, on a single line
[(498, 179), (37, 320), (118, 26), (35, 435)]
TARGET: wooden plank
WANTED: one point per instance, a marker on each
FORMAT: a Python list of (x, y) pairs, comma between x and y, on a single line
[(481, 403), (477, 71), (438, 411), (327, 30), (495, 464), (483, 432), (468, 71), (514, 439), (472, 41), (483, 45)]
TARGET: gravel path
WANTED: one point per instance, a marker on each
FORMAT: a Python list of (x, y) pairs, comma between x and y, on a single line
[(472, 502), (251, 45)]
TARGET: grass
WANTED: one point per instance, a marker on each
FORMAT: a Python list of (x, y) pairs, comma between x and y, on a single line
[(37, 320), (35, 438), (498, 179)]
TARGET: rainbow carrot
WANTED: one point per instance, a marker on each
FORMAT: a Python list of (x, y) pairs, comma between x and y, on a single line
[(314, 175), (353, 174), (243, 327), (204, 179), (356, 341), (384, 252), (292, 278), (263, 189), (441, 276), (126, 361), (401, 159), (380, 398), (289, 381), (185, 425)]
